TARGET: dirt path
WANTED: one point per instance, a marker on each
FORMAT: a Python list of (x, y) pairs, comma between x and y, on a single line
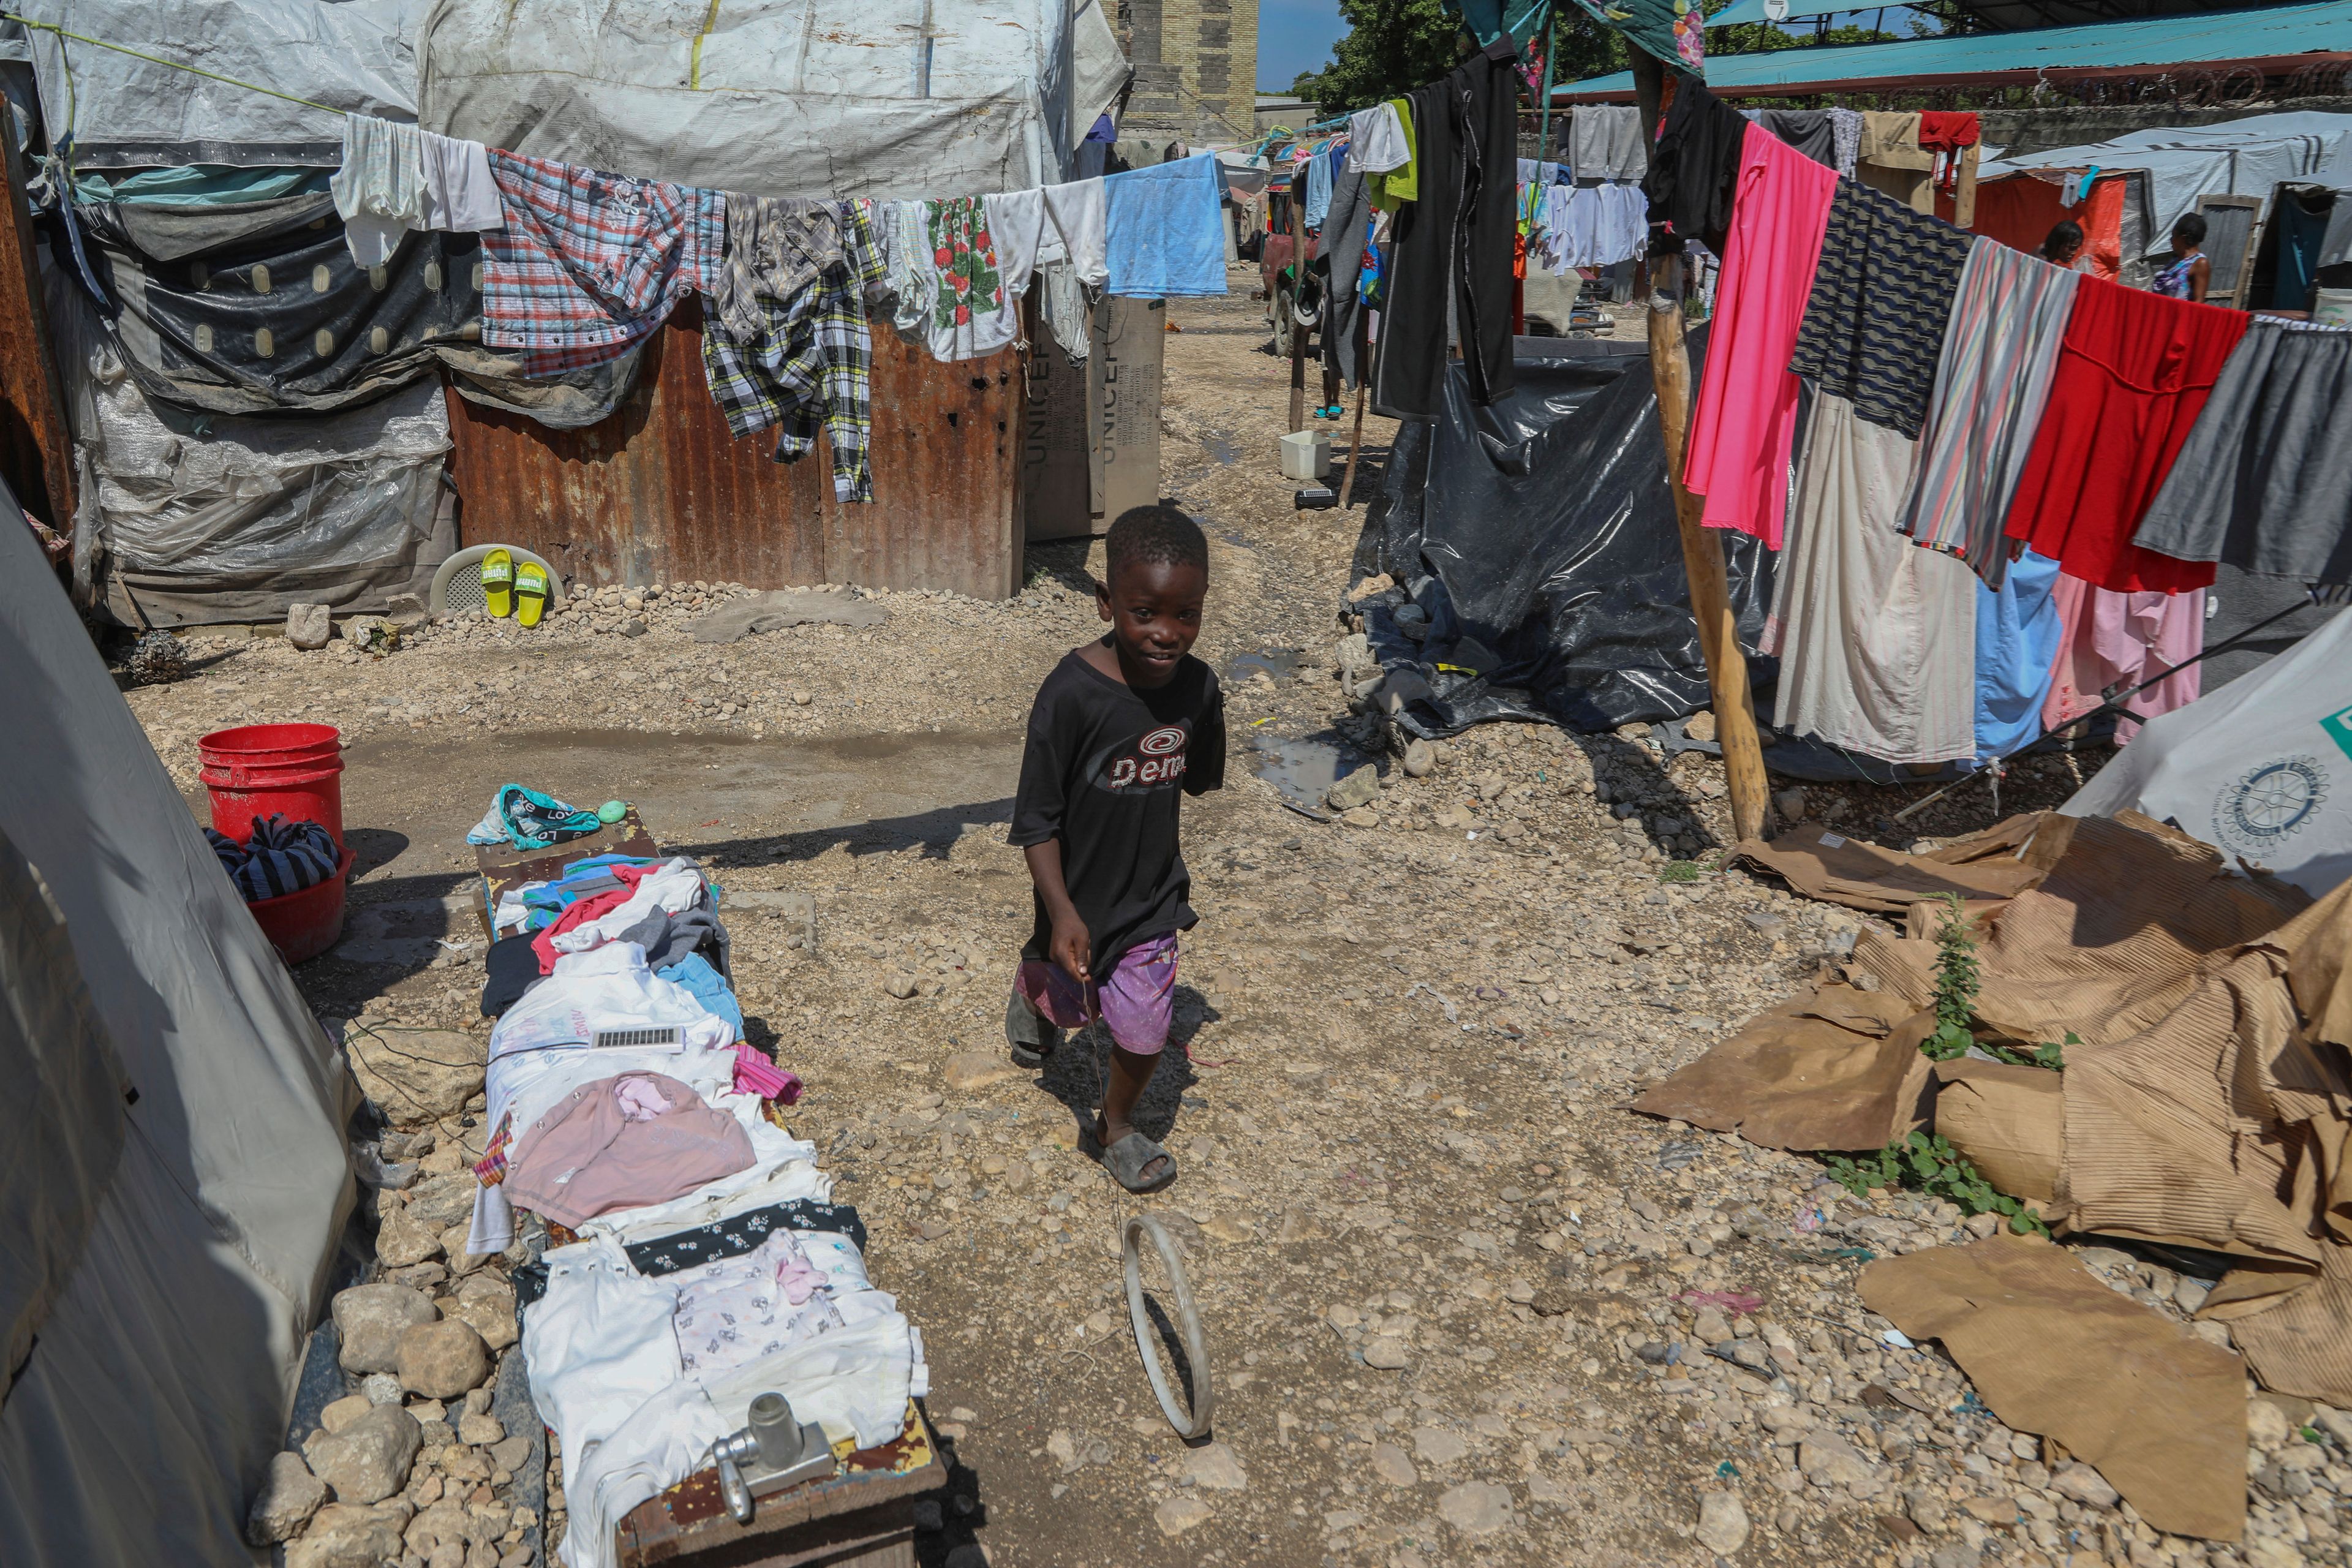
[(1449, 1287)]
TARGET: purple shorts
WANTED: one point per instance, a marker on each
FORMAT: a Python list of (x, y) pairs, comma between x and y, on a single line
[(1137, 999)]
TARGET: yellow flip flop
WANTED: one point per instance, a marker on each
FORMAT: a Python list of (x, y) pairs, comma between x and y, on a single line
[(531, 592), (498, 582)]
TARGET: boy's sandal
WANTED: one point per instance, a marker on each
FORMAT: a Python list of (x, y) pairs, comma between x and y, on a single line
[(498, 582), (1030, 1057), (531, 592), (1127, 1159)]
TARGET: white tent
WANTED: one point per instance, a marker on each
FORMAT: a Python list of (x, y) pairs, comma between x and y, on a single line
[(173, 1172), (902, 99), (2238, 157), (2261, 768)]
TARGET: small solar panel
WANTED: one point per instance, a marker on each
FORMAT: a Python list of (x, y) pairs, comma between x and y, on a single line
[(667, 1038)]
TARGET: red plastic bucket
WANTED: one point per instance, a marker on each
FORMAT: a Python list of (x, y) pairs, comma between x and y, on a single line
[(294, 770), (305, 924)]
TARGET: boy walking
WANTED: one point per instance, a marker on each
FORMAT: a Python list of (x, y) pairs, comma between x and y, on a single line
[(1117, 729)]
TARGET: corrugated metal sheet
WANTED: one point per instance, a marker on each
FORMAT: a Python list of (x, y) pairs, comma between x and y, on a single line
[(661, 492), (2273, 37)]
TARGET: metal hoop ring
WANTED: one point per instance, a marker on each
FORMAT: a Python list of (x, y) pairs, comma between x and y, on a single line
[(1188, 1319)]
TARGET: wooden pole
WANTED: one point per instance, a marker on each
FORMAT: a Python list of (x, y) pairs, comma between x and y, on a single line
[(1718, 627), (36, 449), (1297, 293)]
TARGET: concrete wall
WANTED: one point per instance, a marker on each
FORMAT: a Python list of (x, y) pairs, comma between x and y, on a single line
[(2020, 131), (1195, 68)]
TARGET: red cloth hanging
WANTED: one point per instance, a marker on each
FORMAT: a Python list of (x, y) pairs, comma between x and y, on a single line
[(2135, 371), (1942, 131)]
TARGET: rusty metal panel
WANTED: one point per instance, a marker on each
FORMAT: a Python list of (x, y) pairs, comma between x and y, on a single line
[(661, 492)]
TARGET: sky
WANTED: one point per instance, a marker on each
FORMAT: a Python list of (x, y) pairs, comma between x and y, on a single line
[(1293, 36)]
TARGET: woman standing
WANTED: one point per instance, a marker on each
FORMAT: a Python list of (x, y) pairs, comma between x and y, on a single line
[(2191, 269)]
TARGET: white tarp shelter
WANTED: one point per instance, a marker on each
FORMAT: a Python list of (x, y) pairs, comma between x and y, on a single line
[(898, 99), (2261, 768), (2245, 157), (173, 1172)]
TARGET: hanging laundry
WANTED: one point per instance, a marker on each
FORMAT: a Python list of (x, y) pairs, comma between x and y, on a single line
[(1605, 142), (1953, 140), (1845, 134), (1377, 141), (1453, 256), (1693, 170), (1876, 638), (1892, 161), (1016, 221), (2008, 321), (800, 274), (1079, 217), (1746, 415), (396, 179), (1344, 234), (1396, 186), (2135, 372), (2018, 633), (2302, 216), (589, 264), (2264, 480), (1809, 131), (1164, 230), (958, 280), (1319, 191), (1873, 326), (2119, 640)]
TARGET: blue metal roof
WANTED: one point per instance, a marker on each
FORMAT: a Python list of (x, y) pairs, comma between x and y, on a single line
[(1800, 10), (2204, 38)]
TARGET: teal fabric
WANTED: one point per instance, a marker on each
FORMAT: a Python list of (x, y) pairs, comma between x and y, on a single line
[(2301, 233), (199, 185)]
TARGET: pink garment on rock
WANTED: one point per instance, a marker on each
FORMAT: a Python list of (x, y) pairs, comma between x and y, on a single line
[(1746, 417), (2110, 639), (589, 1156), (755, 1074)]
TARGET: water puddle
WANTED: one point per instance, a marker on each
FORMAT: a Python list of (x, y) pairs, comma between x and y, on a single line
[(1303, 769), (1223, 448), (1279, 663)]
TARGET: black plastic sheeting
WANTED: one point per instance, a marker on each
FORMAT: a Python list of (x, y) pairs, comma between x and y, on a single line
[(1535, 540)]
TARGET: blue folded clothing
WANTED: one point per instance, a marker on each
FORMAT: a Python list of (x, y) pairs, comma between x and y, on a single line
[(1164, 230), (694, 975), (530, 820), (281, 858)]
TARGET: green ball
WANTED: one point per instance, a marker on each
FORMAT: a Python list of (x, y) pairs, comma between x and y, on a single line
[(613, 811)]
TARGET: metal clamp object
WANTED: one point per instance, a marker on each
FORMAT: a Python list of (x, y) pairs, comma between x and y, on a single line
[(775, 1451)]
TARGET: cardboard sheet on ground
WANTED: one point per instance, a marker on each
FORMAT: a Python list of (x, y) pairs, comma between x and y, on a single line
[(2009, 1120), (2157, 1411), (1837, 1068), (1820, 863)]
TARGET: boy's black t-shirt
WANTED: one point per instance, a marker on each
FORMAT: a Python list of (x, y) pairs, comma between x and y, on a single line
[(1101, 773)]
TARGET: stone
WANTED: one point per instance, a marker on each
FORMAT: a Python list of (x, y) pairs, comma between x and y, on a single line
[(1478, 1508), (1701, 726), (1828, 1461), (900, 985), (289, 1495), (1722, 1517), (2266, 1424), (480, 1431), (418, 1077), (441, 1360), (1419, 759), (1392, 1465), (368, 1460), (1179, 1514), (1791, 805), (1387, 1352), (403, 1240), (383, 1387), (441, 1202), (969, 1070), (340, 1413), (1301, 1225), (1215, 1466), (1711, 1327), (1359, 788), (308, 627), (1361, 816), (512, 1453), (2084, 1485), (1228, 1228), (370, 1320), (1436, 1445), (487, 1303), (348, 1535)]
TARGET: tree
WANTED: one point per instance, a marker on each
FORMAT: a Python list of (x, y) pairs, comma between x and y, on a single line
[(1392, 47)]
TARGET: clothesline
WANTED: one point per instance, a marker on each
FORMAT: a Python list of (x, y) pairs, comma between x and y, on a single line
[(151, 59)]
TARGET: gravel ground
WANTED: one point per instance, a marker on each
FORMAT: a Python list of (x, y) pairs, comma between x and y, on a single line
[(1462, 1308)]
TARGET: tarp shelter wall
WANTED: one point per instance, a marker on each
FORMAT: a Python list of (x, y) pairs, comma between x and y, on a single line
[(2020, 209), (119, 111), (901, 98), (159, 1380), (2246, 157)]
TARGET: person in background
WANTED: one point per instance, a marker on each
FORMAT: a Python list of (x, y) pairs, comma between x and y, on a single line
[(2191, 270), (2062, 246), (1122, 730)]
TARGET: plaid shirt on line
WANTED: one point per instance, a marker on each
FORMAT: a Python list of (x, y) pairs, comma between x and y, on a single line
[(810, 367), (590, 263)]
